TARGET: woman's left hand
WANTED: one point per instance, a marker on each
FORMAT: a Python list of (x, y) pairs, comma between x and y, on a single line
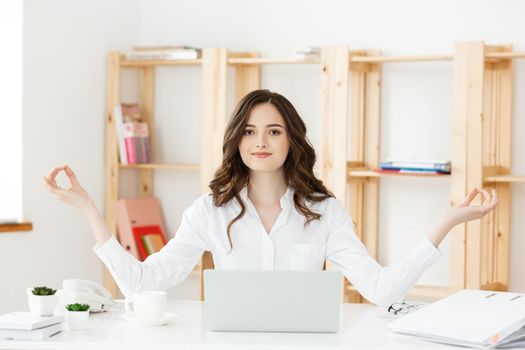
[(466, 212)]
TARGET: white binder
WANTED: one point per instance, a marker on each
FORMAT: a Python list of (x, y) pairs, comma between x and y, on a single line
[(473, 318)]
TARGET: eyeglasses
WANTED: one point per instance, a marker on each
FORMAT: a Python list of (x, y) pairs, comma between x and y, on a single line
[(403, 308)]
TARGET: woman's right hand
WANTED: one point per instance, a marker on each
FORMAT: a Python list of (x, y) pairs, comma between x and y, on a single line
[(75, 195)]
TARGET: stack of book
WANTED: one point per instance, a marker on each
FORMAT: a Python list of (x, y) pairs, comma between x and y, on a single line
[(133, 135), (168, 53), (414, 166), (307, 53), (23, 325)]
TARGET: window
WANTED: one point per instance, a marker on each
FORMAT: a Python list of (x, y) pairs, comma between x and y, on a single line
[(11, 15)]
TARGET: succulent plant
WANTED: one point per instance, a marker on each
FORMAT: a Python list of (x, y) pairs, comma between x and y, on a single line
[(43, 291), (77, 307)]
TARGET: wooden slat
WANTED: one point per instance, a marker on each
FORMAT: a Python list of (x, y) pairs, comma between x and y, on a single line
[(363, 150), (334, 109), (474, 146), (112, 168), (501, 228), (214, 112), (147, 113), (494, 286), (247, 77), (154, 63), (435, 292), (459, 159), (167, 166), (356, 142), (16, 227), (505, 54), (391, 59), (259, 61), (505, 178), (371, 153), (502, 236), (214, 70)]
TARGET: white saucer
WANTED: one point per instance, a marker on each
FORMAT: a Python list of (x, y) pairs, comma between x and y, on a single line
[(131, 316)]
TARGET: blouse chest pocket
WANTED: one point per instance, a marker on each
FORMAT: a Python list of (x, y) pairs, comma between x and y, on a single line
[(307, 256)]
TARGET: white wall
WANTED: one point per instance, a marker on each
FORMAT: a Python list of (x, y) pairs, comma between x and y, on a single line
[(65, 45), (64, 100), (417, 99)]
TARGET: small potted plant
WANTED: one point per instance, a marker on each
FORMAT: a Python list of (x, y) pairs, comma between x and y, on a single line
[(77, 315), (42, 301)]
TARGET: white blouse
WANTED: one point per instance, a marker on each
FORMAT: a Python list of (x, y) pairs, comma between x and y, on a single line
[(288, 246)]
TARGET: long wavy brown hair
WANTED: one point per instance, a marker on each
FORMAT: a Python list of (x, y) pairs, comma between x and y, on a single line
[(233, 174)]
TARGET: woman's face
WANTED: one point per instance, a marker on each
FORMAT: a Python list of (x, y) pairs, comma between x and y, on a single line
[(264, 144)]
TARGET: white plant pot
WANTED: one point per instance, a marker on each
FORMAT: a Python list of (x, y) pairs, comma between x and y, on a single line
[(77, 319), (41, 305)]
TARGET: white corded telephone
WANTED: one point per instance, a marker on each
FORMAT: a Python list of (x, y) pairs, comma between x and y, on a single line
[(87, 292)]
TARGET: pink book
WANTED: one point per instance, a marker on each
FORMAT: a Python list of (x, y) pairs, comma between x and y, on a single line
[(137, 212), (129, 140)]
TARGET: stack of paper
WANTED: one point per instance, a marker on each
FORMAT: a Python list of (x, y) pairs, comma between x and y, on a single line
[(24, 325), (473, 318)]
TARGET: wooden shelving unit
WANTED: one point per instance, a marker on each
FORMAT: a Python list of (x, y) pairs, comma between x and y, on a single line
[(213, 123), (481, 153), (214, 63), (482, 87)]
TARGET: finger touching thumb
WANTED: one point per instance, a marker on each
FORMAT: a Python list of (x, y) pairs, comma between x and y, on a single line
[(71, 174)]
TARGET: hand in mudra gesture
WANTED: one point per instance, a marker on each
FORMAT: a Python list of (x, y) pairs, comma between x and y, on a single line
[(75, 195), (466, 212)]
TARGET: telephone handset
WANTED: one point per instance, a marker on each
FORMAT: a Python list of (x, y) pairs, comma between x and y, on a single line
[(87, 292)]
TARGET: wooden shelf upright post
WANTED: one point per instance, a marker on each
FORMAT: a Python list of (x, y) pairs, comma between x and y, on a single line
[(214, 75), (112, 163), (482, 143)]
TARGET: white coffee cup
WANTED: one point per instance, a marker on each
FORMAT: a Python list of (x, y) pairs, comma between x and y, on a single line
[(147, 304)]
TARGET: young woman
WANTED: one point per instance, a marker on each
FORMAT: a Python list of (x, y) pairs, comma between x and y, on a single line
[(266, 210)]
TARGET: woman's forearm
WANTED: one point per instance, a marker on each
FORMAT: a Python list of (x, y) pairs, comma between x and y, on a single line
[(440, 232), (96, 223)]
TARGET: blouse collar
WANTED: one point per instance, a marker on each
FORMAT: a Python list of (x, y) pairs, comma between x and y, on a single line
[(286, 199)]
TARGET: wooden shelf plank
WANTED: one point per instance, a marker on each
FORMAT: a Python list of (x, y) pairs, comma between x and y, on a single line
[(363, 59), (15, 227), (258, 60), (174, 166), (507, 55), (146, 63), (392, 59), (426, 58), (431, 292), (421, 291), (505, 178)]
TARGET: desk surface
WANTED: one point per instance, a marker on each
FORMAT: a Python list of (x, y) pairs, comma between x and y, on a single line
[(362, 326)]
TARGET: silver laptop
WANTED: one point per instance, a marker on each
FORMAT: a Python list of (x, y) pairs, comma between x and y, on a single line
[(272, 301)]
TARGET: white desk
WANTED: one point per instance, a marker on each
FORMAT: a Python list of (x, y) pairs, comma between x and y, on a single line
[(362, 326)]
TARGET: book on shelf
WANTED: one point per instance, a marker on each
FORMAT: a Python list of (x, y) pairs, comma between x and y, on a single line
[(307, 53), (411, 171), (34, 334), (138, 212), (130, 113), (136, 140), (119, 127), (149, 240), (416, 165), (164, 53), (164, 48)]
